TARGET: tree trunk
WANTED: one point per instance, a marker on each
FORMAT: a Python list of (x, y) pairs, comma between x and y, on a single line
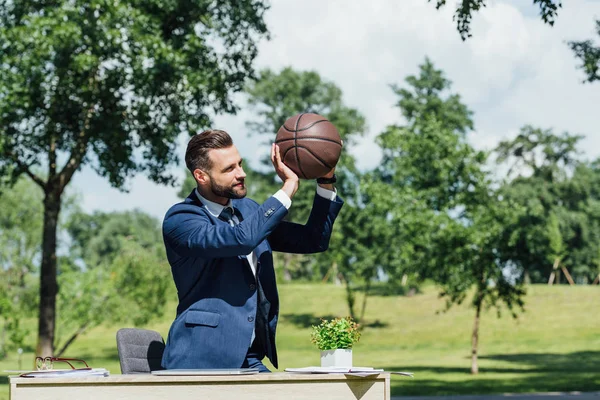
[(350, 298), (553, 273), (364, 304), (527, 277), (567, 275), (48, 283), (475, 336)]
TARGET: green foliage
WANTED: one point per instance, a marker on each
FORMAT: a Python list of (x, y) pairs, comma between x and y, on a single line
[(112, 85), (338, 333), (558, 205), (98, 237), (117, 273), (589, 55), (108, 78), (20, 241), (430, 154), (466, 8), (274, 97)]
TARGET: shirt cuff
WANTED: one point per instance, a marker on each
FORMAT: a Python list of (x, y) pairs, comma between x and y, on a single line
[(283, 198), (326, 193)]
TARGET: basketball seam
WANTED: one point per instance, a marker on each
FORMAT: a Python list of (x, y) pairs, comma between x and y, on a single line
[(315, 156), (296, 146), (310, 138), (306, 127)]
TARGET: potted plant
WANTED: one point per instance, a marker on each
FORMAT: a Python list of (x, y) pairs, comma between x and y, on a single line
[(335, 339)]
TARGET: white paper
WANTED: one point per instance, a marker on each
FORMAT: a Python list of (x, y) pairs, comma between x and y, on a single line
[(66, 373), (333, 370), (355, 371)]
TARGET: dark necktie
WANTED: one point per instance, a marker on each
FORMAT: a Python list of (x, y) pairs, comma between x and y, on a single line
[(261, 325), (227, 215)]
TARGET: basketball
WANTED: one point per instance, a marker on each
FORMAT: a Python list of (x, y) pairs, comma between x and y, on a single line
[(309, 145)]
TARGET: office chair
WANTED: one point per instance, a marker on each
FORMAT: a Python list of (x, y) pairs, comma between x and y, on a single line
[(140, 350)]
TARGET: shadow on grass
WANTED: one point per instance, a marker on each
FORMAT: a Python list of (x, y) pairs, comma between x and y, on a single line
[(539, 372), (390, 290), (3, 380), (307, 320)]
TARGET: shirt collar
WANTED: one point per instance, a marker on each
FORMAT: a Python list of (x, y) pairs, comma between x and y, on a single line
[(212, 207)]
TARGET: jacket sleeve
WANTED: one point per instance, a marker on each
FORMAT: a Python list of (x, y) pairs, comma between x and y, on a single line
[(289, 237), (190, 232)]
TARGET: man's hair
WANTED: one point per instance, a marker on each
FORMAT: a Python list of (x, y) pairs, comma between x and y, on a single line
[(196, 155)]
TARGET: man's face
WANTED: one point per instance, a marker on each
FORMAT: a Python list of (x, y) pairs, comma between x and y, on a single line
[(227, 175)]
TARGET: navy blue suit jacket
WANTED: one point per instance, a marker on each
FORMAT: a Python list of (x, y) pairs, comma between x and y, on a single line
[(216, 287)]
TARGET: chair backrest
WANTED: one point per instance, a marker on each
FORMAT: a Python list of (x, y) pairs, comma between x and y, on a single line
[(140, 350)]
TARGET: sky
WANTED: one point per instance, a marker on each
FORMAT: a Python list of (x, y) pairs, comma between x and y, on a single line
[(514, 71)]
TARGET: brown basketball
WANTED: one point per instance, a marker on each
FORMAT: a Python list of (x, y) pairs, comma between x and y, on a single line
[(309, 144)]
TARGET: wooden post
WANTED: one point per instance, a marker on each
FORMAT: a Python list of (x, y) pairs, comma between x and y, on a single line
[(553, 274), (564, 270)]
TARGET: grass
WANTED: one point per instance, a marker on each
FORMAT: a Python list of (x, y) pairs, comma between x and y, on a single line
[(553, 346)]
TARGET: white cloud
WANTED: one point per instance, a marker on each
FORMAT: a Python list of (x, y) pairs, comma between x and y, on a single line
[(515, 70)]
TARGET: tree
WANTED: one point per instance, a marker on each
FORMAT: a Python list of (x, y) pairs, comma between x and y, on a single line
[(551, 184), (458, 239), (589, 55), (430, 154), (466, 8), (470, 254), (112, 85), (117, 273), (274, 97)]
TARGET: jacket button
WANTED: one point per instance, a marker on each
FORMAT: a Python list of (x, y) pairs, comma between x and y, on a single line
[(250, 319), (252, 286)]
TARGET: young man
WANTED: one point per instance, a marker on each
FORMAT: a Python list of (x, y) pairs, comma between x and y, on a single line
[(219, 246)]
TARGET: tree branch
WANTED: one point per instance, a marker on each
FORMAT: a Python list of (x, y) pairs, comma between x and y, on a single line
[(74, 336), (24, 168)]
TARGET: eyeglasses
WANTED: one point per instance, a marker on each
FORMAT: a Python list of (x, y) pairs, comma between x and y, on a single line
[(47, 363)]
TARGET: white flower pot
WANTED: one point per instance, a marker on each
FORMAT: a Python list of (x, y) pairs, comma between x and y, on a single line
[(336, 358)]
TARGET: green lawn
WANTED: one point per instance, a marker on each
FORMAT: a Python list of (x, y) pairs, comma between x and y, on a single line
[(553, 346)]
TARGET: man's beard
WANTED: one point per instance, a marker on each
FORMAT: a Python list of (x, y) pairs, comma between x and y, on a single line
[(229, 192)]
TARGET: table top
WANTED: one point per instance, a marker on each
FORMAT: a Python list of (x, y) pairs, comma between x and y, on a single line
[(149, 378)]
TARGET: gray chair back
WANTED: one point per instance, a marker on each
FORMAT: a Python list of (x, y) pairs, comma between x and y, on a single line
[(140, 350)]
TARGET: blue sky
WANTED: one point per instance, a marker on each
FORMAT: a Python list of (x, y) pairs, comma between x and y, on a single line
[(515, 70)]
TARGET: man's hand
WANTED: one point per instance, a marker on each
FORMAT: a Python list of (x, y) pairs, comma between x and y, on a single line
[(289, 177)]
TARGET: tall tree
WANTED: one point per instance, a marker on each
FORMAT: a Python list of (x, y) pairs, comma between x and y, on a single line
[(541, 166), (430, 153), (276, 96), (111, 85), (457, 240)]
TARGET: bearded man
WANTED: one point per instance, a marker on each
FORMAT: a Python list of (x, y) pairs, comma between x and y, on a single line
[(219, 245)]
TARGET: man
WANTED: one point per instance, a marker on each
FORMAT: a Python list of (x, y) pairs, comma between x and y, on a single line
[(219, 245)]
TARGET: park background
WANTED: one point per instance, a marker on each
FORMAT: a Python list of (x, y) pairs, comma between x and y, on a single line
[(469, 171)]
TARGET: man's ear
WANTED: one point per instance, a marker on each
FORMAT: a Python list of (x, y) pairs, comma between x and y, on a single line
[(201, 177)]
